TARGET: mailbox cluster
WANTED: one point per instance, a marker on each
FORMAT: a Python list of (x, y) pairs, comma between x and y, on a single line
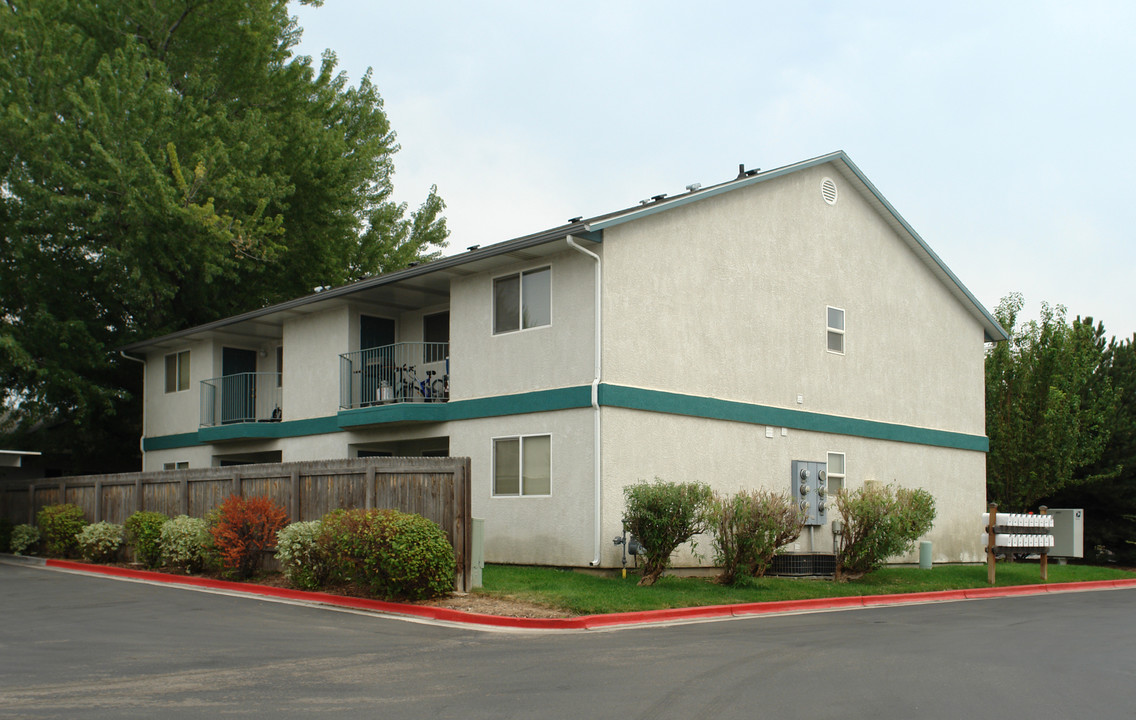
[(1019, 531), (1011, 532)]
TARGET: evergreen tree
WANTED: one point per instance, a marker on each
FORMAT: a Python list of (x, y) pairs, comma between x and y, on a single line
[(1110, 505), (164, 163), (1050, 406)]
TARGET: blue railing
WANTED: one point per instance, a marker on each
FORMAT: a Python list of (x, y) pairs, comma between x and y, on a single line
[(242, 398), (403, 372)]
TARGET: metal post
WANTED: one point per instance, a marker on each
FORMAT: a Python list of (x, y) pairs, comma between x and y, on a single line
[(992, 508)]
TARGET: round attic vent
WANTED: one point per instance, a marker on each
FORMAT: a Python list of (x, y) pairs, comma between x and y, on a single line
[(828, 191)]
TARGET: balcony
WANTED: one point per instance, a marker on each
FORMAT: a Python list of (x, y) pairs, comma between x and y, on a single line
[(242, 398), (413, 372)]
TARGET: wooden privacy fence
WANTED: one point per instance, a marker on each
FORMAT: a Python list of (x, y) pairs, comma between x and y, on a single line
[(436, 488)]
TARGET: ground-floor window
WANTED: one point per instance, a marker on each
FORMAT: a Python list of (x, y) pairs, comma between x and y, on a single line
[(522, 465), (182, 465), (835, 468)]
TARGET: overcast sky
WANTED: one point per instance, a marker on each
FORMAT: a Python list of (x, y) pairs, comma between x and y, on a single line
[(1002, 132)]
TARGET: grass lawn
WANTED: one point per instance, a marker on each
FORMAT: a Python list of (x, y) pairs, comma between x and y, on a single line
[(586, 594)]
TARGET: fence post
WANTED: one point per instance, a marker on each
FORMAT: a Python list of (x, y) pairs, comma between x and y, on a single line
[(31, 503), (296, 504), (184, 483), (236, 483), (369, 490), (139, 505), (992, 508), (98, 501), (1044, 551)]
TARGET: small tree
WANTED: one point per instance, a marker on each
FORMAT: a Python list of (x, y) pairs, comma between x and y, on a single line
[(748, 528), (244, 528), (879, 522), (664, 515)]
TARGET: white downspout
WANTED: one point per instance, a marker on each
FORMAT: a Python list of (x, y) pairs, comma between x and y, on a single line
[(596, 397), (142, 439)]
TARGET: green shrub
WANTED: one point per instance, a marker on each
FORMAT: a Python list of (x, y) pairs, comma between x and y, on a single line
[(24, 540), (101, 541), (879, 522), (300, 555), (393, 554), (5, 534), (663, 515), (187, 545), (58, 525), (748, 529), (144, 534), (243, 529)]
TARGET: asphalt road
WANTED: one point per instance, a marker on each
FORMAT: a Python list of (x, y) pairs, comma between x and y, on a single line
[(89, 647)]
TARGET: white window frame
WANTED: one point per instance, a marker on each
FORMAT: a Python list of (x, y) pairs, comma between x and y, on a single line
[(837, 331), (178, 465), (840, 476), (520, 466), (179, 373), (520, 275)]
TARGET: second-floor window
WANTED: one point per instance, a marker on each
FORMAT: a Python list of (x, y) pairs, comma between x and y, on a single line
[(835, 330), (522, 300), (177, 371)]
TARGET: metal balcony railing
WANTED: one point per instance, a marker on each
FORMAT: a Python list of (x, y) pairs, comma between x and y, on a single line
[(241, 398), (403, 372)]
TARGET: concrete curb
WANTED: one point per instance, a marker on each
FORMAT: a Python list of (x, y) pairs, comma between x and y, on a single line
[(23, 560), (586, 622)]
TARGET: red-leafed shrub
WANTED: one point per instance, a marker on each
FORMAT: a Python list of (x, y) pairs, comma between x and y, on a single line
[(244, 528)]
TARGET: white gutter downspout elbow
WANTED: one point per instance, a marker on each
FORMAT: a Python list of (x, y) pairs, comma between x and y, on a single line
[(598, 489), (142, 439)]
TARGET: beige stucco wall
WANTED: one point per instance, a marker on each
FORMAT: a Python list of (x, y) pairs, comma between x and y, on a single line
[(727, 298), (730, 456), (557, 355), (176, 412), (312, 344), (546, 530)]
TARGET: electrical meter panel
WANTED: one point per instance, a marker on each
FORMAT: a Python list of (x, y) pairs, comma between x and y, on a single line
[(810, 490)]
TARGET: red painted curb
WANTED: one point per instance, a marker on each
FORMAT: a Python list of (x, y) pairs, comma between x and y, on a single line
[(586, 621)]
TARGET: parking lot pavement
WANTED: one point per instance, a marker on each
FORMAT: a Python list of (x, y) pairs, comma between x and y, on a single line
[(81, 646)]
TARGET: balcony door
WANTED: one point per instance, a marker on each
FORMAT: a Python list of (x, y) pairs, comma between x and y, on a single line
[(376, 335), (238, 385)]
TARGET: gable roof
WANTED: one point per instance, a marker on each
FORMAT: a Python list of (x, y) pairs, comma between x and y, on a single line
[(433, 278)]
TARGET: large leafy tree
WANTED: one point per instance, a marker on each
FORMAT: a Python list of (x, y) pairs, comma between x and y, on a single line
[(1050, 405), (164, 163)]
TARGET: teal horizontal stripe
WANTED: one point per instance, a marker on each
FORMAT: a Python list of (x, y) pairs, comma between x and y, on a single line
[(574, 398), (518, 404), (703, 407), (169, 442)]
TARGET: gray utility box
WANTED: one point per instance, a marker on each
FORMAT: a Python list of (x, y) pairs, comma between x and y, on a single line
[(1068, 532), (810, 490)]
